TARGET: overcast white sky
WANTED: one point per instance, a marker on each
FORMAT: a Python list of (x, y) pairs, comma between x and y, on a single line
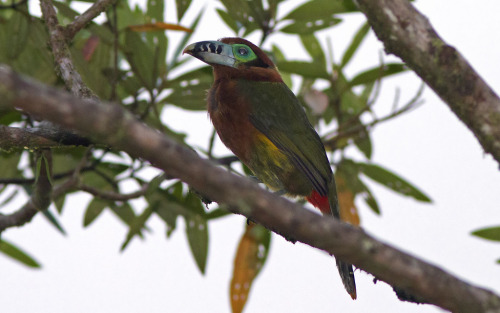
[(84, 272)]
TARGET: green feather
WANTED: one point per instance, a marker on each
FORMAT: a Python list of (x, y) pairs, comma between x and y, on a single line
[(277, 113)]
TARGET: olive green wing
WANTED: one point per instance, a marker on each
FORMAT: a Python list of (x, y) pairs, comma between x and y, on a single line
[(277, 113)]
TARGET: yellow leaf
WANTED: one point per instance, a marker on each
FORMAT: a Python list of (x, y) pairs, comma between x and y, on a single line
[(250, 256), (348, 210), (151, 27)]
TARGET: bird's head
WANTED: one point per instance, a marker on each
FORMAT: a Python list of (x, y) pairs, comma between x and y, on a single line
[(235, 58)]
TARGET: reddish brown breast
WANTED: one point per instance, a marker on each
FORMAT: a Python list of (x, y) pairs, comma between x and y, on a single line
[(229, 114)]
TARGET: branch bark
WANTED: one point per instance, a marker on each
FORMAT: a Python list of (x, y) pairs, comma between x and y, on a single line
[(82, 20), (62, 56), (111, 124), (408, 34), (14, 138)]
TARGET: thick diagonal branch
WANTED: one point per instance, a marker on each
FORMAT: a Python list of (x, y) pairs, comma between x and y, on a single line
[(408, 34), (111, 124)]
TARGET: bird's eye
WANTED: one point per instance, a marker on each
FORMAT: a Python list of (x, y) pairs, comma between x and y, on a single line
[(243, 51)]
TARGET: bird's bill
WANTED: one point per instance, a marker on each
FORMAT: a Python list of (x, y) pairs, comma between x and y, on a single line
[(212, 52)]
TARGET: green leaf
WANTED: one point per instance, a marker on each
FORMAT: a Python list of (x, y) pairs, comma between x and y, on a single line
[(182, 6), (38, 168), (154, 184), (197, 230), (309, 27), (174, 63), (155, 10), (36, 60), (94, 209), (53, 220), (228, 19), (363, 141), (141, 58), (47, 169), (305, 69), (371, 201), (137, 226), (313, 47), (65, 10), (125, 212), (490, 233), (10, 197), (356, 41), (351, 104), (7, 117), (250, 15), (17, 254), (189, 90), (9, 162), (217, 213), (17, 29), (278, 56), (59, 203), (392, 181), (321, 9), (197, 234), (377, 73)]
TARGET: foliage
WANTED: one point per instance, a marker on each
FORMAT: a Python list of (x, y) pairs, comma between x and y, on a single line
[(124, 59)]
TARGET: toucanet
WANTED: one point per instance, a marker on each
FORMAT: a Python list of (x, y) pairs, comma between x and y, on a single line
[(263, 123)]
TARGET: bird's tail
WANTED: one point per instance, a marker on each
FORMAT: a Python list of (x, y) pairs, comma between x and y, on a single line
[(328, 205)]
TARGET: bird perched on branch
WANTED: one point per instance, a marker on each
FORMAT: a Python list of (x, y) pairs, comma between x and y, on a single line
[(260, 119)]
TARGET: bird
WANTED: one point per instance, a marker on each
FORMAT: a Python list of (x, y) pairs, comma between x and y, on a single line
[(263, 123)]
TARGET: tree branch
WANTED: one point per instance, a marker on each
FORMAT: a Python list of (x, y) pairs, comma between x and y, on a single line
[(14, 138), (82, 20), (62, 56), (408, 34), (114, 196), (111, 124)]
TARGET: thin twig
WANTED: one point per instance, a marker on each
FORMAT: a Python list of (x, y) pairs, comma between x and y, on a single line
[(82, 20), (332, 138), (114, 196)]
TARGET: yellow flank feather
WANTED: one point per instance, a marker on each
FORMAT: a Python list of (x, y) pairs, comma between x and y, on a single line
[(270, 162)]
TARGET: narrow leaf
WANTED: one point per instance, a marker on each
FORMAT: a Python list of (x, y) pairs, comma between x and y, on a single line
[(228, 19), (317, 9), (309, 27), (137, 226), (197, 234), (348, 209), (94, 209), (356, 41), (152, 27), (53, 220), (182, 6), (184, 41), (313, 47), (17, 254), (490, 233), (189, 90), (392, 181), (305, 69), (250, 257), (377, 73)]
